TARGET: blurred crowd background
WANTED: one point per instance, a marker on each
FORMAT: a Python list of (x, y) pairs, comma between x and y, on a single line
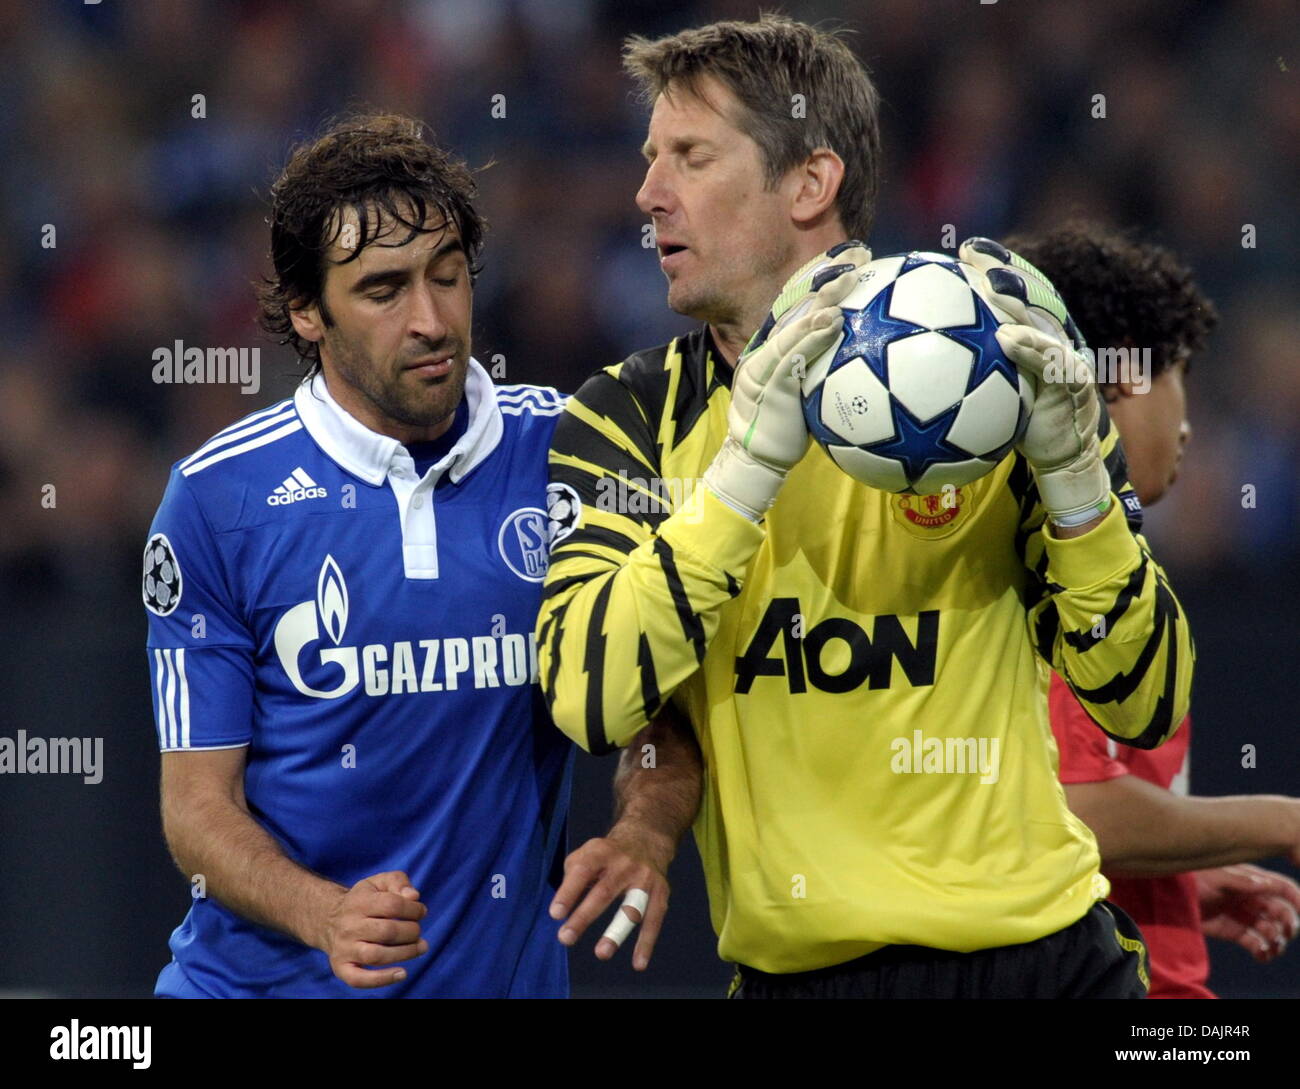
[(157, 224)]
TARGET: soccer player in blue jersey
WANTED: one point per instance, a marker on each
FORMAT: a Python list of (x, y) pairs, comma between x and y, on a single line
[(357, 774)]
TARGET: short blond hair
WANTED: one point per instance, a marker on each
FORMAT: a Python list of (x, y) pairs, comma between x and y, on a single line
[(765, 64)]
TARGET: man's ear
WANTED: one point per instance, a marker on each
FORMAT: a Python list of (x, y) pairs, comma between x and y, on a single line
[(816, 184), (1113, 391), (1116, 391), (307, 322)]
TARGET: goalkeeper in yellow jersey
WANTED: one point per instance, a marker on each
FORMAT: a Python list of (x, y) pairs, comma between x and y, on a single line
[(866, 683)]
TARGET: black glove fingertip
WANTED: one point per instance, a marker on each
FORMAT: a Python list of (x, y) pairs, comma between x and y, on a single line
[(836, 250), (989, 248), (1005, 282), (827, 275)]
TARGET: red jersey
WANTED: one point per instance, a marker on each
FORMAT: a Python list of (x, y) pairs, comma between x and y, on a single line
[(1167, 909)]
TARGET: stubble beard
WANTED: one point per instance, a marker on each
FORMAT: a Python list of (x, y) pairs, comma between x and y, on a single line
[(743, 307), (400, 397)]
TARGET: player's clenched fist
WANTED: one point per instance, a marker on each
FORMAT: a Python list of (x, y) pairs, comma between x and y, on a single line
[(607, 868), (374, 924)]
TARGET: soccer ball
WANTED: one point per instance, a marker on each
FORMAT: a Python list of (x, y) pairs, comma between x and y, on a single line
[(916, 393)]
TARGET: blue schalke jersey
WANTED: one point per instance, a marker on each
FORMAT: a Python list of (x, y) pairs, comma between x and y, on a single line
[(367, 633)]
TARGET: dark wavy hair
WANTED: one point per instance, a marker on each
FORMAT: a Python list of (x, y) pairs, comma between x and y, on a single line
[(1121, 291), (380, 166)]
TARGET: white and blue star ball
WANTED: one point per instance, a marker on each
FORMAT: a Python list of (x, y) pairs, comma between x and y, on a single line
[(916, 394)]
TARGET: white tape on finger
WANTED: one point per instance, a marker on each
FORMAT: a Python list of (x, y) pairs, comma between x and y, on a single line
[(621, 925), (637, 900)]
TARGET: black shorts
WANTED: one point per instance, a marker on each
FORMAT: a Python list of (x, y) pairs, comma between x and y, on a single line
[(1100, 956)]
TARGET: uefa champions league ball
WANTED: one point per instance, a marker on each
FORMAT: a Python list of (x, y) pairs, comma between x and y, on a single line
[(916, 394)]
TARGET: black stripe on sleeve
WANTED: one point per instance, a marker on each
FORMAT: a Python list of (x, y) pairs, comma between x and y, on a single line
[(1049, 623), (602, 535), (606, 396), (1085, 640), (692, 626), (650, 695), (593, 665), (555, 622), (1161, 723), (1116, 463), (554, 589), (1123, 685), (1036, 589)]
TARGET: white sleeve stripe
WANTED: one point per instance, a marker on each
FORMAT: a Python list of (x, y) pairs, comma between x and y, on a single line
[(185, 698), (225, 439), (544, 402), (164, 719), (527, 395), (255, 419), (171, 698), (162, 701), (207, 748), (532, 409), (243, 448), (251, 418), (510, 389)]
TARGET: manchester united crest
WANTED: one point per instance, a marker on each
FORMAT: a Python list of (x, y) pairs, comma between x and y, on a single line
[(933, 517)]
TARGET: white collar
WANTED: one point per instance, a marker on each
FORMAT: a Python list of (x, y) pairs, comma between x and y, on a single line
[(369, 455)]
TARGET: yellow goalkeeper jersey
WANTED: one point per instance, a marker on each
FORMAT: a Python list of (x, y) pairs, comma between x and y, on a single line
[(866, 672)]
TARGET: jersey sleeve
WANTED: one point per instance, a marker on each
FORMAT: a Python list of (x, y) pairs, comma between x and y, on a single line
[(1085, 752), (200, 651), (1102, 613), (638, 569)]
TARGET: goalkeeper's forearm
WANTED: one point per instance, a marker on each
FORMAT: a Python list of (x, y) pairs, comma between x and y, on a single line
[(657, 786)]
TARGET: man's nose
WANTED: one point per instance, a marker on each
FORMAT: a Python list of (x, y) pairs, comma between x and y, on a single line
[(654, 197), (426, 319)]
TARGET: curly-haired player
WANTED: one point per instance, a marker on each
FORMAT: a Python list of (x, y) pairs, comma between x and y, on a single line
[(1177, 864)]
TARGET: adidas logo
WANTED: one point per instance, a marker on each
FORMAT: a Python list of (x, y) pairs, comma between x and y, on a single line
[(297, 485)]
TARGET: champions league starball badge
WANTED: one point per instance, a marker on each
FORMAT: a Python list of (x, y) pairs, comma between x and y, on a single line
[(162, 576)]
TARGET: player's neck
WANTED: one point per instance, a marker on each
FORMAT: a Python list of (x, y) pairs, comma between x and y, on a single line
[(368, 414), (731, 337), (730, 340)]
